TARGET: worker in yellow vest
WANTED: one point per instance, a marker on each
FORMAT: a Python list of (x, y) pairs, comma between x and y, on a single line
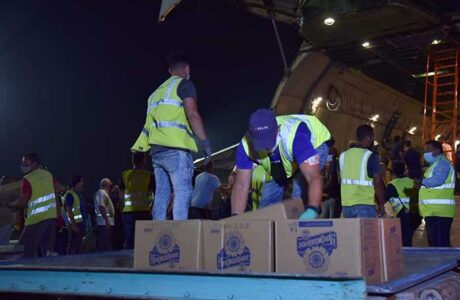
[(38, 194), (402, 196), (436, 195), (169, 133), (75, 207), (290, 148), (136, 186), (361, 177)]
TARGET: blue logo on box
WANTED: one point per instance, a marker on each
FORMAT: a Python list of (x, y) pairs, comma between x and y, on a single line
[(165, 250), (234, 253), (316, 250)]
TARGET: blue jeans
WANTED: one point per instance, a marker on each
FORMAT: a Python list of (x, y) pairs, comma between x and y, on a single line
[(173, 173), (273, 193), (359, 211)]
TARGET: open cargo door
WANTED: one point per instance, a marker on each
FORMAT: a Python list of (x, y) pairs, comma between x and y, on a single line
[(166, 8)]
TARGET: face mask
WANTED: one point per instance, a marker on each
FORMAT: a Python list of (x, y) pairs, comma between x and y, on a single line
[(428, 156), (278, 139), (188, 76), (25, 169), (329, 158)]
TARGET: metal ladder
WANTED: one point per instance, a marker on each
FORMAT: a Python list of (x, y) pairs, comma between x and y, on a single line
[(440, 114)]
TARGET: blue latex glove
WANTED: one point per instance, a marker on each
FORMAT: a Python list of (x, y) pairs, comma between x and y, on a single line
[(309, 214)]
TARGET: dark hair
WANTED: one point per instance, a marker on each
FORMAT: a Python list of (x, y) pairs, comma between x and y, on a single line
[(364, 131), (76, 179), (398, 167), (138, 158), (407, 143), (33, 157), (176, 59), (435, 144), (396, 138), (209, 166)]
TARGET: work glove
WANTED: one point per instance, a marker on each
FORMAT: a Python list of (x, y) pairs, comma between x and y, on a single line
[(309, 214), (206, 146)]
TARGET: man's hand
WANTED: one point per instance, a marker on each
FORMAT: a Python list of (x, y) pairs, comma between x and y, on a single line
[(75, 228), (206, 146)]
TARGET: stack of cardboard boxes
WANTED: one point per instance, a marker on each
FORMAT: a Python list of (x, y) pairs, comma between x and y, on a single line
[(273, 240)]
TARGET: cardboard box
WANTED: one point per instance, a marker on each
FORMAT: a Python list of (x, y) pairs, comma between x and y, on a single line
[(238, 246), (168, 245), (333, 247), (287, 209), (392, 256)]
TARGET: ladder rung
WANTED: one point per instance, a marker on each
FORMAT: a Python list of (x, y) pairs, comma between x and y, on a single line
[(444, 67), (445, 58), (445, 51), (446, 84), (444, 121), (445, 93), (444, 102), (446, 75)]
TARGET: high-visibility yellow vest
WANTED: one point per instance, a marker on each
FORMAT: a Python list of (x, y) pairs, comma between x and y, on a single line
[(405, 188), (138, 195), (42, 203), (76, 206), (356, 185), (166, 124), (288, 127), (438, 201), (319, 132), (259, 177)]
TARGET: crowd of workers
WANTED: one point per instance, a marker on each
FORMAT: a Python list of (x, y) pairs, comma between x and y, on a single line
[(279, 157)]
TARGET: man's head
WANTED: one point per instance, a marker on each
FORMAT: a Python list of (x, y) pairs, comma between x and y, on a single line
[(77, 183), (106, 184), (178, 65), (432, 150), (407, 144), (30, 162), (365, 136), (399, 168), (263, 130), (138, 159)]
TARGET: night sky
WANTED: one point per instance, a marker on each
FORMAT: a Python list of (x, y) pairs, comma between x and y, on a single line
[(75, 76)]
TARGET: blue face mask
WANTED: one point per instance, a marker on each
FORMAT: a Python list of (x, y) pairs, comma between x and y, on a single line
[(428, 156)]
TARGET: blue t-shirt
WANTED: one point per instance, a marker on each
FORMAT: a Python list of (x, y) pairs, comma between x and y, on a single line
[(302, 149)]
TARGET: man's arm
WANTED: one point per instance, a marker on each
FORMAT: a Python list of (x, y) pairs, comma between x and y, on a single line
[(240, 190), (439, 176), (310, 170), (390, 192), (194, 118), (374, 171)]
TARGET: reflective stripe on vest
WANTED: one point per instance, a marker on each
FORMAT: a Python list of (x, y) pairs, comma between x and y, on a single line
[(165, 124), (167, 121), (42, 203), (438, 201), (357, 187)]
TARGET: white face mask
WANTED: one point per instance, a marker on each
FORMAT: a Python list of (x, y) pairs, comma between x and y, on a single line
[(278, 139), (188, 76)]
